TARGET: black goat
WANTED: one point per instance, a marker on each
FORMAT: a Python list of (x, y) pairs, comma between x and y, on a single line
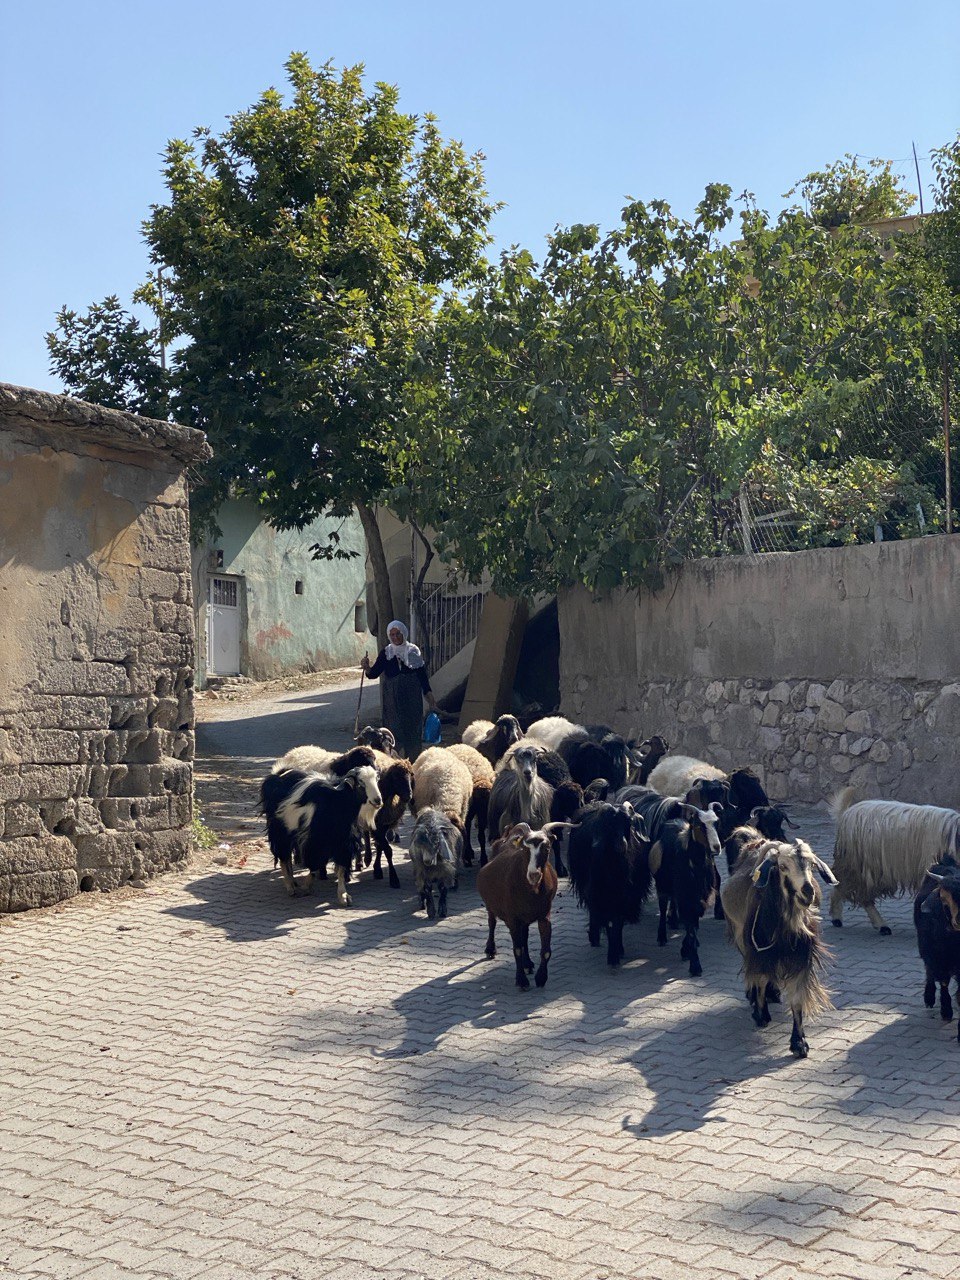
[(682, 863), (380, 738), (610, 759), (936, 915), (315, 818), (610, 871)]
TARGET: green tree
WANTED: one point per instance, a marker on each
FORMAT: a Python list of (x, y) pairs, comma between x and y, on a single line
[(847, 191), (304, 251)]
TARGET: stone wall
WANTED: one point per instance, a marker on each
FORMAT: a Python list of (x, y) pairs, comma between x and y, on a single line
[(96, 647), (820, 668)]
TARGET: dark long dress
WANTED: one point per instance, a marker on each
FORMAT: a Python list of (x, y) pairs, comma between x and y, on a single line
[(403, 693)]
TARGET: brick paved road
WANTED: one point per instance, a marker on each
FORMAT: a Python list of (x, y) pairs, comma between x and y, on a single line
[(205, 1079)]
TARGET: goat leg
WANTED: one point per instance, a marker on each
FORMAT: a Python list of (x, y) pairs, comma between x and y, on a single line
[(877, 920), (664, 901), (546, 936), (946, 1008), (288, 880), (518, 933), (930, 991), (593, 930), (692, 943), (491, 948), (717, 901), (426, 900), (673, 916), (442, 903), (343, 874), (798, 1041), (615, 940), (367, 849)]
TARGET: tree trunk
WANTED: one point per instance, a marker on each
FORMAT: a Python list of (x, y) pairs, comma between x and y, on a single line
[(381, 575)]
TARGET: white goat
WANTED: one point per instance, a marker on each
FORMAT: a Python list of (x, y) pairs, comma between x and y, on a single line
[(884, 847)]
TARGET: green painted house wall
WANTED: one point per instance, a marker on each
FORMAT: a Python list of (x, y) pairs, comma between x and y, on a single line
[(296, 614)]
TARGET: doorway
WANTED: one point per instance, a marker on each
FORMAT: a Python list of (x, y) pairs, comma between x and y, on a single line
[(223, 626)]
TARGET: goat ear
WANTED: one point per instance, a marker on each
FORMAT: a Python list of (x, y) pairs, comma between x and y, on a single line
[(823, 871)]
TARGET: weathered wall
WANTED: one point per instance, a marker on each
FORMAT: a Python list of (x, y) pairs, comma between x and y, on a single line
[(286, 632), (96, 647), (819, 668)]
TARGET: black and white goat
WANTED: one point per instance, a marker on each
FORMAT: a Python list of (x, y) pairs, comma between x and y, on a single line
[(682, 862), (771, 903), (378, 737), (315, 818), (609, 870), (436, 851), (936, 915), (884, 847)]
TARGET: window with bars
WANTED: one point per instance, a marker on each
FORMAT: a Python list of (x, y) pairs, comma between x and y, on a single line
[(223, 591)]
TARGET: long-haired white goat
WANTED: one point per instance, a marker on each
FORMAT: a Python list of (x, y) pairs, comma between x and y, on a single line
[(884, 847)]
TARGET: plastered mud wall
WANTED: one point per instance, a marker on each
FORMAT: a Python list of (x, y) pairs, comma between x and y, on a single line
[(819, 668)]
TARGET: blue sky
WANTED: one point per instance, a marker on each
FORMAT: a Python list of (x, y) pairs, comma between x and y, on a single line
[(576, 107)]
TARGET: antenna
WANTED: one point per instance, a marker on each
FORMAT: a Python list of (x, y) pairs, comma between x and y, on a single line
[(916, 165)]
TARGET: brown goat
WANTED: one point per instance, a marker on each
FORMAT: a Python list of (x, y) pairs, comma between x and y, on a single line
[(656, 749), (772, 904), (518, 886)]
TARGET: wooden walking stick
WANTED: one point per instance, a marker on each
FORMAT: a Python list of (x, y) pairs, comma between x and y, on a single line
[(356, 723)]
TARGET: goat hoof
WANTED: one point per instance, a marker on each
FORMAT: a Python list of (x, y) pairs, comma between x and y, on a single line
[(946, 1012), (837, 924), (394, 879), (885, 931), (491, 953), (346, 901), (799, 1047), (756, 1014), (378, 873), (541, 978), (696, 969), (523, 983)]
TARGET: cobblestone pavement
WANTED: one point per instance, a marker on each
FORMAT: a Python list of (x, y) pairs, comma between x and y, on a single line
[(207, 1079)]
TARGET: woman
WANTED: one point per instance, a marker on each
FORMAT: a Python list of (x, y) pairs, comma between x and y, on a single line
[(405, 687)]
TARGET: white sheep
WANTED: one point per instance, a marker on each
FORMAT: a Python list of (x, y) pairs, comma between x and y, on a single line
[(441, 781), (551, 731), (884, 847), (675, 775)]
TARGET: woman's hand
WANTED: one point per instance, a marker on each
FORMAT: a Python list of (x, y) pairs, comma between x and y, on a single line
[(364, 663), (432, 702)]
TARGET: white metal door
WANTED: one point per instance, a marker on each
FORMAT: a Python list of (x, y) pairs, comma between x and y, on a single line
[(223, 627)]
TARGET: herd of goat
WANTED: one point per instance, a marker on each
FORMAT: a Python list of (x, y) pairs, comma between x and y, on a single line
[(633, 818)]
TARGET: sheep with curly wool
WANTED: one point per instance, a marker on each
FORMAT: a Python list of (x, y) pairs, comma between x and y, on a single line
[(884, 847), (442, 782)]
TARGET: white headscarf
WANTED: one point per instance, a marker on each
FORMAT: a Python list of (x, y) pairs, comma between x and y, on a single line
[(408, 654)]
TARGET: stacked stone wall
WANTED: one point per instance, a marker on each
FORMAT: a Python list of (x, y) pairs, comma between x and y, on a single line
[(96, 649)]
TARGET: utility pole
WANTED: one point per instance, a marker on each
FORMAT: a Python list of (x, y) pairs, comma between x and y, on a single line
[(945, 366)]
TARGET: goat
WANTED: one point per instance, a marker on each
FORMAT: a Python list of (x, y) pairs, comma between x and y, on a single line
[(335, 765), (767, 821), (315, 818), (519, 795), (396, 790), (441, 781), (771, 903), (518, 886), (567, 794), (380, 738), (492, 740), (884, 847), (610, 759), (645, 761), (610, 871), (682, 864), (481, 771), (740, 792), (436, 846), (936, 916)]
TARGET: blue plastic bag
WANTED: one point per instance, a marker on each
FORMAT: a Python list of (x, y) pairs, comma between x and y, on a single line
[(431, 729)]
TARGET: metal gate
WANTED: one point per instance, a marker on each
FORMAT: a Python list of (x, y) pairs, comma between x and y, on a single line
[(223, 626)]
